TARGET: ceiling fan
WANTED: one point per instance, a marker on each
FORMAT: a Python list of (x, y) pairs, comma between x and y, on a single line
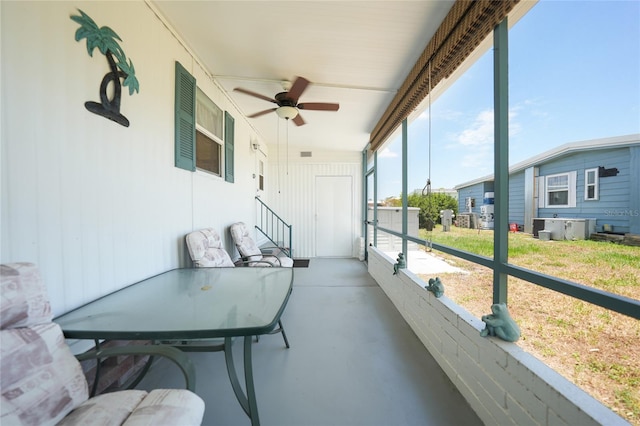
[(287, 101)]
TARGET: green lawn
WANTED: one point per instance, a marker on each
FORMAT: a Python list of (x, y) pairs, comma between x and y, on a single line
[(607, 266), (597, 349)]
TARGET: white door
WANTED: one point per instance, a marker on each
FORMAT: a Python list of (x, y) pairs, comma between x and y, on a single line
[(334, 216)]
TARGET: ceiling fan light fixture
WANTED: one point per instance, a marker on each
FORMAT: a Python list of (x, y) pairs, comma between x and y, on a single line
[(287, 112)]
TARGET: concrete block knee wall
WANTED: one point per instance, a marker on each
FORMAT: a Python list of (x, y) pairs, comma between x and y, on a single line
[(503, 384)]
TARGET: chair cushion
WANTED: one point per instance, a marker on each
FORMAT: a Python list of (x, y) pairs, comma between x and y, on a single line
[(244, 243), (139, 408), (205, 249), (23, 299), (106, 409), (168, 407), (283, 261), (41, 380)]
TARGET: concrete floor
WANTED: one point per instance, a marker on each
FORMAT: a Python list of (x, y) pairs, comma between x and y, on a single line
[(353, 361)]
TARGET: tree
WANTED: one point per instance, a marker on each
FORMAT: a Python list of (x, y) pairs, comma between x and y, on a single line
[(430, 206)]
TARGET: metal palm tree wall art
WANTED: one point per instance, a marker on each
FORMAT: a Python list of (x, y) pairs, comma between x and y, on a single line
[(105, 39)]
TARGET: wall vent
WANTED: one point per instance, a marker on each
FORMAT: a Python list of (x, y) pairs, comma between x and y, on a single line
[(305, 153)]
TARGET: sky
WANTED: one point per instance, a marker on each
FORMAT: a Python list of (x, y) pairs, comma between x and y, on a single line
[(574, 75)]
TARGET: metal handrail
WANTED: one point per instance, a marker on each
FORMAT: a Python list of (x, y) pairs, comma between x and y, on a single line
[(274, 228)]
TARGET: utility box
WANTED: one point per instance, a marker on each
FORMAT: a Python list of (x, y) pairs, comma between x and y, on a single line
[(556, 227), (447, 219), (538, 225), (569, 228), (544, 235), (486, 211), (579, 229), (468, 220)]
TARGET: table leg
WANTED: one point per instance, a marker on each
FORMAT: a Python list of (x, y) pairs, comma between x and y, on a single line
[(247, 400), (248, 379)]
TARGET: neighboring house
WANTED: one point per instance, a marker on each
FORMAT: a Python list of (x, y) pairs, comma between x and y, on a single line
[(595, 179)]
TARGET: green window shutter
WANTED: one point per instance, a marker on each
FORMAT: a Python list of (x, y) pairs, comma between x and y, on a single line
[(185, 116), (228, 146)]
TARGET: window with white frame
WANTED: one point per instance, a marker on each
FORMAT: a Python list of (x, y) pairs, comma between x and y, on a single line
[(209, 134), (261, 176), (560, 190), (591, 184)]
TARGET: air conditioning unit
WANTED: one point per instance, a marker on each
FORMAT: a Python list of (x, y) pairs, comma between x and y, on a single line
[(570, 229), (579, 229)]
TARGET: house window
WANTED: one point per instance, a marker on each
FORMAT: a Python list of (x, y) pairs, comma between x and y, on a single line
[(560, 190), (201, 130), (209, 125), (591, 184), (261, 176), (207, 153)]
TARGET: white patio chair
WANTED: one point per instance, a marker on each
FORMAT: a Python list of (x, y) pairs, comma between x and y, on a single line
[(251, 253), (205, 249)]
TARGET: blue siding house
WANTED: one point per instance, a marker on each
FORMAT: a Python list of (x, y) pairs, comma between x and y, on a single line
[(596, 180)]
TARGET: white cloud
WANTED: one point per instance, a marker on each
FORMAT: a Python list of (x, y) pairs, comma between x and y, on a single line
[(480, 133), (478, 158), (387, 153)]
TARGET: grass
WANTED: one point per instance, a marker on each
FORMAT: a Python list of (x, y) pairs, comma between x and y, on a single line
[(597, 349)]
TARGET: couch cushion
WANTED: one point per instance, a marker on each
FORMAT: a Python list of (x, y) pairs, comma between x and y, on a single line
[(41, 380)]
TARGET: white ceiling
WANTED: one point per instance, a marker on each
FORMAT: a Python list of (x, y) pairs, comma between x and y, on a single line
[(355, 53)]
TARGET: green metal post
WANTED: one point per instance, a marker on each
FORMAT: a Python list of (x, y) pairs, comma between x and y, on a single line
[(375, 198), (501, 161), (405, 185), (365, 174)]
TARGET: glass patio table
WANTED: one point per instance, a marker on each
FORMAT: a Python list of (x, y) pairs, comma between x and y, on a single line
[(190, 304)]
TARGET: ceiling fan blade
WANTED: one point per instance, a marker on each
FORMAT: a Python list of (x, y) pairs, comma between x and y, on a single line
[(298, 120), (261, 113), (319, 106), (254, 94), (297, 88)]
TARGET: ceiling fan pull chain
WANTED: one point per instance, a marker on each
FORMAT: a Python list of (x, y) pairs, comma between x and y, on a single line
[(278, 161)]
